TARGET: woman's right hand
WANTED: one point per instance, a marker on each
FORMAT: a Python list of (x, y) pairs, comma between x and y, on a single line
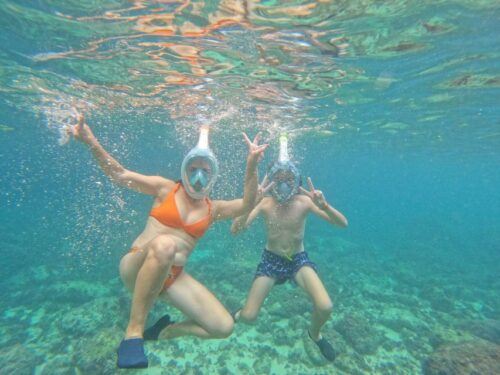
[(81, 131)]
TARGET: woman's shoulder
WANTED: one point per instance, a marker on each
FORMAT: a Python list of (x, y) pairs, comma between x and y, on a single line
[(166, 187)]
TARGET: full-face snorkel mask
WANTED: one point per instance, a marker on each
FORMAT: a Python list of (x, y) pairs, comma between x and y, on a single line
[(199, 168), (284, 174)]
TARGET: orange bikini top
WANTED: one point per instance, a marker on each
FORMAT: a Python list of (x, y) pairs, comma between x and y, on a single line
[(168, 214)]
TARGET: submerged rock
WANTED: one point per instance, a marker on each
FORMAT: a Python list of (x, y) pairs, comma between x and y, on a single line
[(359, 333), (76, 292), (90, 317), (58, 365), (438, 299), (399, 319), (488, 329), (465, 358), (96, 354), (261, 367), (18, 359)]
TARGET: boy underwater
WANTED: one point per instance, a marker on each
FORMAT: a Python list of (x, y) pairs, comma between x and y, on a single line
[(284, 257)]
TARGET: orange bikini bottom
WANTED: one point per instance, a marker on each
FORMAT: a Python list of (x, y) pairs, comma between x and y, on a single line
[(174, 273)]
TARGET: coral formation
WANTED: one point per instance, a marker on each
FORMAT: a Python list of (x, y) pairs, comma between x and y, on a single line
[(391, 315)]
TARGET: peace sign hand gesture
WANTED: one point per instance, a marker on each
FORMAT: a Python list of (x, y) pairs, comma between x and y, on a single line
[(263, 188), (316, 195)]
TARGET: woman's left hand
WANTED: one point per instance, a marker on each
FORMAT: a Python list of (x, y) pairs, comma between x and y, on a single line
[(316, 195), (255, 151)]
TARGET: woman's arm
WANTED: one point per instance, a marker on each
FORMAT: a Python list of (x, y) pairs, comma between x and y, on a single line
[(243, 222), (320, 207), (151, 185), (238, 207)]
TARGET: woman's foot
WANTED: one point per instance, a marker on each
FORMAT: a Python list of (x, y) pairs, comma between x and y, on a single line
[(153, 332), (324, 347)]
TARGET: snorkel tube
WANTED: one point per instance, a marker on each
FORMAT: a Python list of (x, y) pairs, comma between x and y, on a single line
[(285, 174), (283, 155), (199, 168)]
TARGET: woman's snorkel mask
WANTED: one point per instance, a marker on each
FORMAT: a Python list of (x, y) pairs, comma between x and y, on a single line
[(199, 168), (284, 174)]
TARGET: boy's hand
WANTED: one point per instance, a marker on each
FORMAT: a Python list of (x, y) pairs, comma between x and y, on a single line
[(316, 195), (263, 188)]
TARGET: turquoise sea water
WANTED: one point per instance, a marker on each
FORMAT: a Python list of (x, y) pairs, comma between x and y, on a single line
[(392, 109)]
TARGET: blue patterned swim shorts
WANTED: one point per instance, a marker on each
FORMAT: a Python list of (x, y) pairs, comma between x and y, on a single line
[(282, 269)]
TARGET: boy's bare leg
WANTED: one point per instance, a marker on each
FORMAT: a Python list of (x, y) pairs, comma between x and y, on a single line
[(260, 289), (309, 280)]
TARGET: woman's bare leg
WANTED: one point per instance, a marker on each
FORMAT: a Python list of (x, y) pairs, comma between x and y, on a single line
[(150, 276), (259, 290), (130, 265), (207, 317)]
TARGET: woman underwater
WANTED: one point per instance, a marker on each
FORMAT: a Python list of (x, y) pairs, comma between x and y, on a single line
[(181, 213)]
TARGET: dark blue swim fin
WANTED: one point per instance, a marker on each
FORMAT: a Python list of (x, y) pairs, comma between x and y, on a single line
[(153, 332), (131, 354)]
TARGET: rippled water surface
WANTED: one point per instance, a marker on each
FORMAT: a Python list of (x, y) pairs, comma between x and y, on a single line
[(367, 72)]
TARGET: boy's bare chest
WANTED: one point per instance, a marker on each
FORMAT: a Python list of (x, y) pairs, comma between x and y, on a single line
[(286, 217)]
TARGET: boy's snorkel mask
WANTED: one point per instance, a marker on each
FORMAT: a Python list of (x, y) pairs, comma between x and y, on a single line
[(284, 174), (199, 168)]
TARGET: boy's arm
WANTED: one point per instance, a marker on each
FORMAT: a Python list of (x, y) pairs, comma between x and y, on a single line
[(242, 222), (320, 206), (330, 214)]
